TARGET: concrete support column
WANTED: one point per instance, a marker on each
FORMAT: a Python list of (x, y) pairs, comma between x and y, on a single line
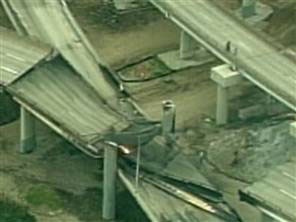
[(222, 105), (109, 184), (225, 77), (168, 119), (187, 46), (248, 8), (293, 129), (28, 137)]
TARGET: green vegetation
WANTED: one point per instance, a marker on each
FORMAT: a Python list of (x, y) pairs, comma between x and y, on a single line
[(12, 212), (159, 68), (42, 195)]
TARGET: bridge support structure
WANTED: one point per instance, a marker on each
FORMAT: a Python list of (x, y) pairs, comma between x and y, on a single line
[(168, 120), (109, 183), (188, 46), (27, 134), (189, 54), (293, 129), (225, 78)]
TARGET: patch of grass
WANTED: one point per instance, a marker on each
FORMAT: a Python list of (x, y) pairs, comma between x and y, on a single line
[(12, 212), (90, 206), (42, 195)]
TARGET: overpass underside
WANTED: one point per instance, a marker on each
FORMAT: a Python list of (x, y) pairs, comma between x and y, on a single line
[(54, 93), (256, 59), (73, 102)]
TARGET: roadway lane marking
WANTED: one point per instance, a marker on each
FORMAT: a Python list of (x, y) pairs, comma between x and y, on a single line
[(288, 175), (288, 194), (15, 57), (9, 70)]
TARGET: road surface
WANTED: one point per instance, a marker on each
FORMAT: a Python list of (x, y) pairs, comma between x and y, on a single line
[(256, 59), (18, 55), (51, 22)]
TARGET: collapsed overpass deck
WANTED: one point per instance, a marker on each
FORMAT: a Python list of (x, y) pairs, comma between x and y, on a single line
[(258, 60), (18, 55), (52, 22), (58, 96), (51, 89), (65, 102)]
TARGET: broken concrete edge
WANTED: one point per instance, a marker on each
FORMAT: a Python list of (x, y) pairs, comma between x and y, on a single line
[(135, 193)]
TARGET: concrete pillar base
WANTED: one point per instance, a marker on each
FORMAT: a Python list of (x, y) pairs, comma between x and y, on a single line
[(28, 145), (28, 137), (173, 61)]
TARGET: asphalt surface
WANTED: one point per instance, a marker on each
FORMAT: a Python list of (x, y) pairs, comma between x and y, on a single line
[(57, 93), (51, 22), (257, 60), (18, 55), (263, 64), (276, 192)]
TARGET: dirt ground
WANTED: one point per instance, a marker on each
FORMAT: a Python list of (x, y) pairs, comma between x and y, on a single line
[(70, 183)]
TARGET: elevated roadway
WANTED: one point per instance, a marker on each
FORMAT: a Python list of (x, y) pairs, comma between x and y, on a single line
[(18, 55), (52, 91), (55, 94), (81, 113), (256, 59), (52, 22)]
